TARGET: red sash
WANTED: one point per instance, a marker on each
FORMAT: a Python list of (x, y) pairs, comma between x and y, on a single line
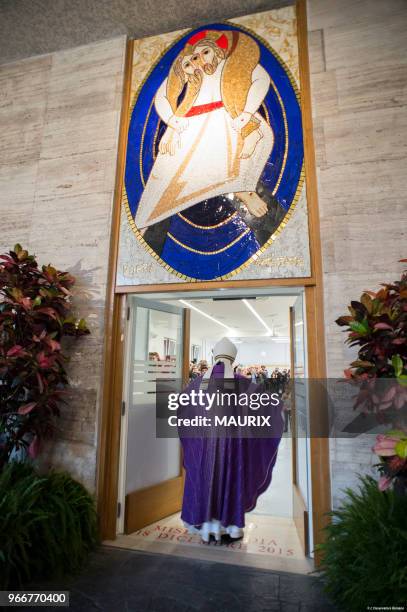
[(204, 108)]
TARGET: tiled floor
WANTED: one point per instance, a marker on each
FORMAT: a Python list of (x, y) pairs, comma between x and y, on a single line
[(133, 581), (270, 539), (269, 543), (278, 499)]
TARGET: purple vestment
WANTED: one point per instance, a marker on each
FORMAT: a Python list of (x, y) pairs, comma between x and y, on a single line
[(224, 475)]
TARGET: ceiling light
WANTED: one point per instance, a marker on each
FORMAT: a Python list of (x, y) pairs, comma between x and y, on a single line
[(258, 317), (204, 314)]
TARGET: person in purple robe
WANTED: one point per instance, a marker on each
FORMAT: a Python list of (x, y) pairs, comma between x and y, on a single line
[(225, 474)]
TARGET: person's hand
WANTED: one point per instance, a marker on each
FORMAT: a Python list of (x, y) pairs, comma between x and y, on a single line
[(179, 124), (169, 142), (240, 121)]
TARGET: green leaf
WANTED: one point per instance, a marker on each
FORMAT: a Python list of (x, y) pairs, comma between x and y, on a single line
[(376, 307), (82, 324), (402, 380), (361, 327), (397, 433), (397, 363), (401, 449)]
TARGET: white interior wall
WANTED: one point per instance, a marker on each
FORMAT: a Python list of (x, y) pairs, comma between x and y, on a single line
[(251, 351), (162, 325)]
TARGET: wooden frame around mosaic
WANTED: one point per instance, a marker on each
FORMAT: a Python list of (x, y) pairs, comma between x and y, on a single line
[(110, 417), (287, 216)]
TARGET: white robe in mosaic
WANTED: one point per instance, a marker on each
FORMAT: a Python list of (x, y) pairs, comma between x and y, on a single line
[(206, 160)]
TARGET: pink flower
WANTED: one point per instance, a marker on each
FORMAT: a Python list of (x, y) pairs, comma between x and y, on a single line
[(384, 483), (385, 446)]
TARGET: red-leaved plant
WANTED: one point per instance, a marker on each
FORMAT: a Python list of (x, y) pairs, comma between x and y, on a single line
[(392, 451), (377, 323), (35, 314)]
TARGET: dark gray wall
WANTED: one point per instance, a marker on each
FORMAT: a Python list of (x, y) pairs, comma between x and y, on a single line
[(32, 27)]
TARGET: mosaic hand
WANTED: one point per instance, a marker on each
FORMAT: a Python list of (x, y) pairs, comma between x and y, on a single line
[(169, 142), (179, 124), (240, 121)]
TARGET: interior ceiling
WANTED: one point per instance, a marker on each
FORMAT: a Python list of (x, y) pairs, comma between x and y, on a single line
[(32, 27), (236, 315)]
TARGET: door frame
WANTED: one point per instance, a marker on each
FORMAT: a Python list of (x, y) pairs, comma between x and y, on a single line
[(301, 511), (110, 416)]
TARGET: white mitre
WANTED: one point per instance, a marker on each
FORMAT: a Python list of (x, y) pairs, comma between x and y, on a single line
[(224, 351), (225, 348)]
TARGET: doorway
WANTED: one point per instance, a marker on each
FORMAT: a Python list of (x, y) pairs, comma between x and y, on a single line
[(172, 335)]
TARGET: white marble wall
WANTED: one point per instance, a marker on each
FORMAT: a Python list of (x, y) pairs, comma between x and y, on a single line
[(358, 63), (59, 123)]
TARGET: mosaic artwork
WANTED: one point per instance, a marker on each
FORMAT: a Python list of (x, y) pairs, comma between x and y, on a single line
[(214, 161)]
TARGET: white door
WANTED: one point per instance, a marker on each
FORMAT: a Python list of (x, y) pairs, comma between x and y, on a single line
[(151, 478)]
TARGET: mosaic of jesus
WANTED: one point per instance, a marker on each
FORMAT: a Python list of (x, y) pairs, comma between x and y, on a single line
[(215, 152)]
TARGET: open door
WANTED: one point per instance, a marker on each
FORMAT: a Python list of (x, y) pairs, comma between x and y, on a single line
[(157, 347), (299, 422)]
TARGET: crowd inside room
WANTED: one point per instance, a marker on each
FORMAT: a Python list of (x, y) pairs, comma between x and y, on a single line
[(197, 368), (276, 378), (154, 356)]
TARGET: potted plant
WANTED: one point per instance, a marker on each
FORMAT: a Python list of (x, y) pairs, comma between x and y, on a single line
[(35, 315), (377, 324), (363, 555), (364, 552), (48, 522)]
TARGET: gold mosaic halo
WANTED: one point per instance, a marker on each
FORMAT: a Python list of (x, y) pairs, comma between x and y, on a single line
[(289, 213)]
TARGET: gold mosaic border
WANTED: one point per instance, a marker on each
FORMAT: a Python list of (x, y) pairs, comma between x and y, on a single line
[(288, 215), (208, 227), (217, 251)]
